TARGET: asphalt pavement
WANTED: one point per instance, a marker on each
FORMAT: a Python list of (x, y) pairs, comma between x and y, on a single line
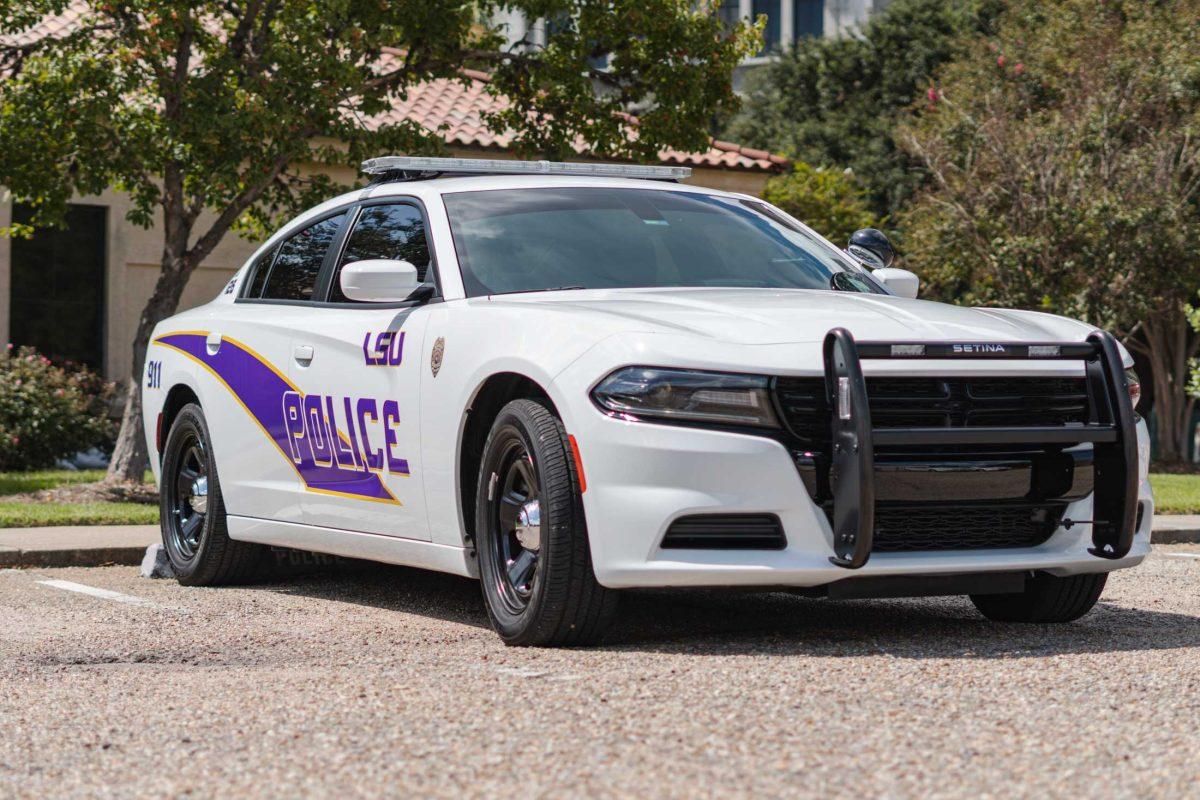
[(386, 681)]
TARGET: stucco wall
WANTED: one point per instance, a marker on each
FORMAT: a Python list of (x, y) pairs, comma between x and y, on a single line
[(134, 254)]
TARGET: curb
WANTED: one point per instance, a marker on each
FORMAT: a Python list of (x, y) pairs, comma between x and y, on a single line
[(1180, 536), (11, 557)]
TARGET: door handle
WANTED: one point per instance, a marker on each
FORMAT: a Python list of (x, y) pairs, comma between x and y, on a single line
[(212, 343), (304, 354)]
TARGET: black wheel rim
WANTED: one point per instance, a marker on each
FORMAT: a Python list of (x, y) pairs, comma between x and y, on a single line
[(187, 497), (516, 529)]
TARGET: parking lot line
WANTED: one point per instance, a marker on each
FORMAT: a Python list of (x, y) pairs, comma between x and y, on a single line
[(1182, 555), (103, 594)]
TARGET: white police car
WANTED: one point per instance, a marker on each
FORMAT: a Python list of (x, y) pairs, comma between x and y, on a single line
[(570, 379)]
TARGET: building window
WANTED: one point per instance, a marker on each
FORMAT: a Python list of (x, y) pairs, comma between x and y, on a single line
[(808, 19), (56, 300), (729, 12), (771, 35)]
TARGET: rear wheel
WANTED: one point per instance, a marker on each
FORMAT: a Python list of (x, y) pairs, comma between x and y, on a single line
[(534, 562), (192, 513), (1046, 599)]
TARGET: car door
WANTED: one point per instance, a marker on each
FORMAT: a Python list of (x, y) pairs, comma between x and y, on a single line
[(358, 377), (246, 348)]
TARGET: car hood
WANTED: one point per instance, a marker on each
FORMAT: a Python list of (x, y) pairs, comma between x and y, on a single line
[(769, 316)]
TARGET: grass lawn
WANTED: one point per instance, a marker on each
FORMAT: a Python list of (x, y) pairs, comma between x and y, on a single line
[(1176, 494), (20, 482), (37, 515), (26, 514)]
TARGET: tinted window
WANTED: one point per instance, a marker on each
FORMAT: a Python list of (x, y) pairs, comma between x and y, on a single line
[(262, 266), (531, 239), (294, 274), (394, 232)]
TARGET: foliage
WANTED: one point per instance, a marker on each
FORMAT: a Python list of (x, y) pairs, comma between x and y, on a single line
[(836, 101), (48, 412), (828, 201), (226, 107), (1065, 161)]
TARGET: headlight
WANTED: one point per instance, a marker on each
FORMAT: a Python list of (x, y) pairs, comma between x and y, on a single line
[(1135, 387), (720, 398)]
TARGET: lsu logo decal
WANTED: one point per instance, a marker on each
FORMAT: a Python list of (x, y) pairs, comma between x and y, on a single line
[(387, 349), (335, 456)]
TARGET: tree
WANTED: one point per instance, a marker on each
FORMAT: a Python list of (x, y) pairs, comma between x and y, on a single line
[(1065, 161), (829, 201), (835, 102), (223, 107)]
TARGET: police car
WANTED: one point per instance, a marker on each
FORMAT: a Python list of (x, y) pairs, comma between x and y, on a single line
[(571, 379)]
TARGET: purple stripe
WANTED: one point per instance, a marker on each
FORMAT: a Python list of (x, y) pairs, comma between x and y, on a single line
[(261, 390)]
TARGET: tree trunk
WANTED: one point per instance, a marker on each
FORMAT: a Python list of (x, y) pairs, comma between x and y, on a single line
[(130, 455), (1170, 344)]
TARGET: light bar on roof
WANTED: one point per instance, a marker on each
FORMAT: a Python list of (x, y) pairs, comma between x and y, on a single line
[(491, 166)]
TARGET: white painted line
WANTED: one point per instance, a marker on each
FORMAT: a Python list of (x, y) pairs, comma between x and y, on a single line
[(103, 594), (1181, 555)]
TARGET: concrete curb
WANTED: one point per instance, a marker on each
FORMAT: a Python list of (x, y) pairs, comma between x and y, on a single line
[(76, 546), (125, 545)]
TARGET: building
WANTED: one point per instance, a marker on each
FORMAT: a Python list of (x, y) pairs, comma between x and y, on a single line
[(788, 21), (77, 293)]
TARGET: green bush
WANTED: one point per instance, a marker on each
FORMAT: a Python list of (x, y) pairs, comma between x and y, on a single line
[(828, 201), (49, 412)]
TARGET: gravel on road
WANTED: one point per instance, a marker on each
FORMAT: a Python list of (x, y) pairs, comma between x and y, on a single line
[(386, 681)]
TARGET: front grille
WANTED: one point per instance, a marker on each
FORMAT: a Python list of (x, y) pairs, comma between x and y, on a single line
[(908, 528), (726, 532), (938, 402)]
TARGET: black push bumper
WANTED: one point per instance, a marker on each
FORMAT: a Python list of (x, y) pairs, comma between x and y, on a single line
[(1110, 429)]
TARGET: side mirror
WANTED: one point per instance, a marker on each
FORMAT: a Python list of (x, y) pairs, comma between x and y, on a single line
[(899, 281), (378, 280), (872, 248)]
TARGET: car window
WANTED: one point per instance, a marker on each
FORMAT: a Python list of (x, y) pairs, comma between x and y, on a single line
[(258, 275), (531, 239), (294, 273), (394, 232)]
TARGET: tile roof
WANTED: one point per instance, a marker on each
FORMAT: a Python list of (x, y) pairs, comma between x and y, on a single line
[(454, 109)]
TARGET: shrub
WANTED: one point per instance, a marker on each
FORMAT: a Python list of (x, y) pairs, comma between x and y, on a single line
[(828, 201), (48, 412)]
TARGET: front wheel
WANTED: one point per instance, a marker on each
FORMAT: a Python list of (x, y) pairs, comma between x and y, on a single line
[(1046, 599), (534, 561)]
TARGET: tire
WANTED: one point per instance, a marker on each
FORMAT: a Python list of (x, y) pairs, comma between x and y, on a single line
[(534, 561), (194, 530), (1046, 599)]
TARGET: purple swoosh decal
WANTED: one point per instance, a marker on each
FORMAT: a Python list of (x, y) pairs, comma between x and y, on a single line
[(260, 389)]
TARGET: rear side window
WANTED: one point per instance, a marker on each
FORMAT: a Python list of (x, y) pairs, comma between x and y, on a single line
[(258, 275), (293, 276), (395, 232)]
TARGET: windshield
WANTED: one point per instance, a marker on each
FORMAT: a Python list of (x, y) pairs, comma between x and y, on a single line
[(593, 238)]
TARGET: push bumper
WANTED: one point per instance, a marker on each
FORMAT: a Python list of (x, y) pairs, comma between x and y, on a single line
[(643, 476)]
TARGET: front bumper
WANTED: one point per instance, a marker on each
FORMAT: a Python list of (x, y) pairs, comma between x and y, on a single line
[(643, 476)]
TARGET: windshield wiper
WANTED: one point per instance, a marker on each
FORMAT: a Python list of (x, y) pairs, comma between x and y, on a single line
[(531, 291)]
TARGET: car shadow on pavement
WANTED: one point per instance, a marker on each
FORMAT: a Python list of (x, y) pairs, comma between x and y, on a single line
[(721, 623), (700, 622)]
